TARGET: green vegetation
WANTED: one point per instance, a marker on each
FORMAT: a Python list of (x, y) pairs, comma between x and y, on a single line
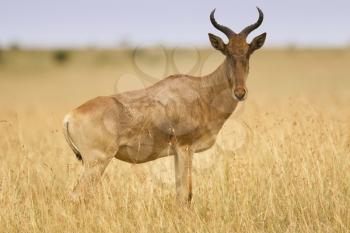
[(61, 56)]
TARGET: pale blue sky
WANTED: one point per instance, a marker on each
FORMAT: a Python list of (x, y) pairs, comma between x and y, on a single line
[(60, 23)]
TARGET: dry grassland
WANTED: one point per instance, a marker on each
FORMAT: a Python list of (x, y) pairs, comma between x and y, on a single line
[(282, 163)]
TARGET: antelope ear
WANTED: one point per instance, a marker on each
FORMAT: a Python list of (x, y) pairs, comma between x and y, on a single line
[(258, 42), (217, 43)]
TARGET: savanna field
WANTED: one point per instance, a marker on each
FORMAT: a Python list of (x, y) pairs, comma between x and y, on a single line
[(281, 163)]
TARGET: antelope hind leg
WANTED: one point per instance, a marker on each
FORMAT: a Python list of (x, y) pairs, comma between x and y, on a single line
[(93, 170)]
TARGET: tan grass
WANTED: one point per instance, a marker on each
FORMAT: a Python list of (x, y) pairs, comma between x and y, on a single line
[(291, 174)]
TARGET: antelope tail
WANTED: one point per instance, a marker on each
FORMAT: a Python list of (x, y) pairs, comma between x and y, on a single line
[(70, 142)]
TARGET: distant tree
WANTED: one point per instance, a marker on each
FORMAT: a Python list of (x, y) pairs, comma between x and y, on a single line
[(14, 46), (61, 56), (1, 55)]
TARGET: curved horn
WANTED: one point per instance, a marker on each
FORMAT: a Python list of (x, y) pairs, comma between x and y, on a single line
[(254, 26), (228, 32)]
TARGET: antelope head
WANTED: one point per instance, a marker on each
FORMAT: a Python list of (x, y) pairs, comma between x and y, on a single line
[(237, 52)]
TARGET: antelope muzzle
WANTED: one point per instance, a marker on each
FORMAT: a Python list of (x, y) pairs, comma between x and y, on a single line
[(240, 93)]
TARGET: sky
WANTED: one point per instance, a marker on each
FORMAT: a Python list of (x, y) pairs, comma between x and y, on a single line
[(107, 23)]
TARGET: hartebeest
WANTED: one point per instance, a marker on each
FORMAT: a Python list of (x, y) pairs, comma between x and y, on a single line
[(179, 115)]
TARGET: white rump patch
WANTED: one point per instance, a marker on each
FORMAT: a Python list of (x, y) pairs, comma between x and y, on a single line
[(66, 118)]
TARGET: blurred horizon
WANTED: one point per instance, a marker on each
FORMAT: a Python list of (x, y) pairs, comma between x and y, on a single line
[(42, 24)]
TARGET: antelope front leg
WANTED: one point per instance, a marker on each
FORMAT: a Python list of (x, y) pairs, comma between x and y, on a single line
[(183, 170)]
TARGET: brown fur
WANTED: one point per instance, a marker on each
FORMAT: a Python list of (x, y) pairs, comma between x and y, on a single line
[(179, 116)]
